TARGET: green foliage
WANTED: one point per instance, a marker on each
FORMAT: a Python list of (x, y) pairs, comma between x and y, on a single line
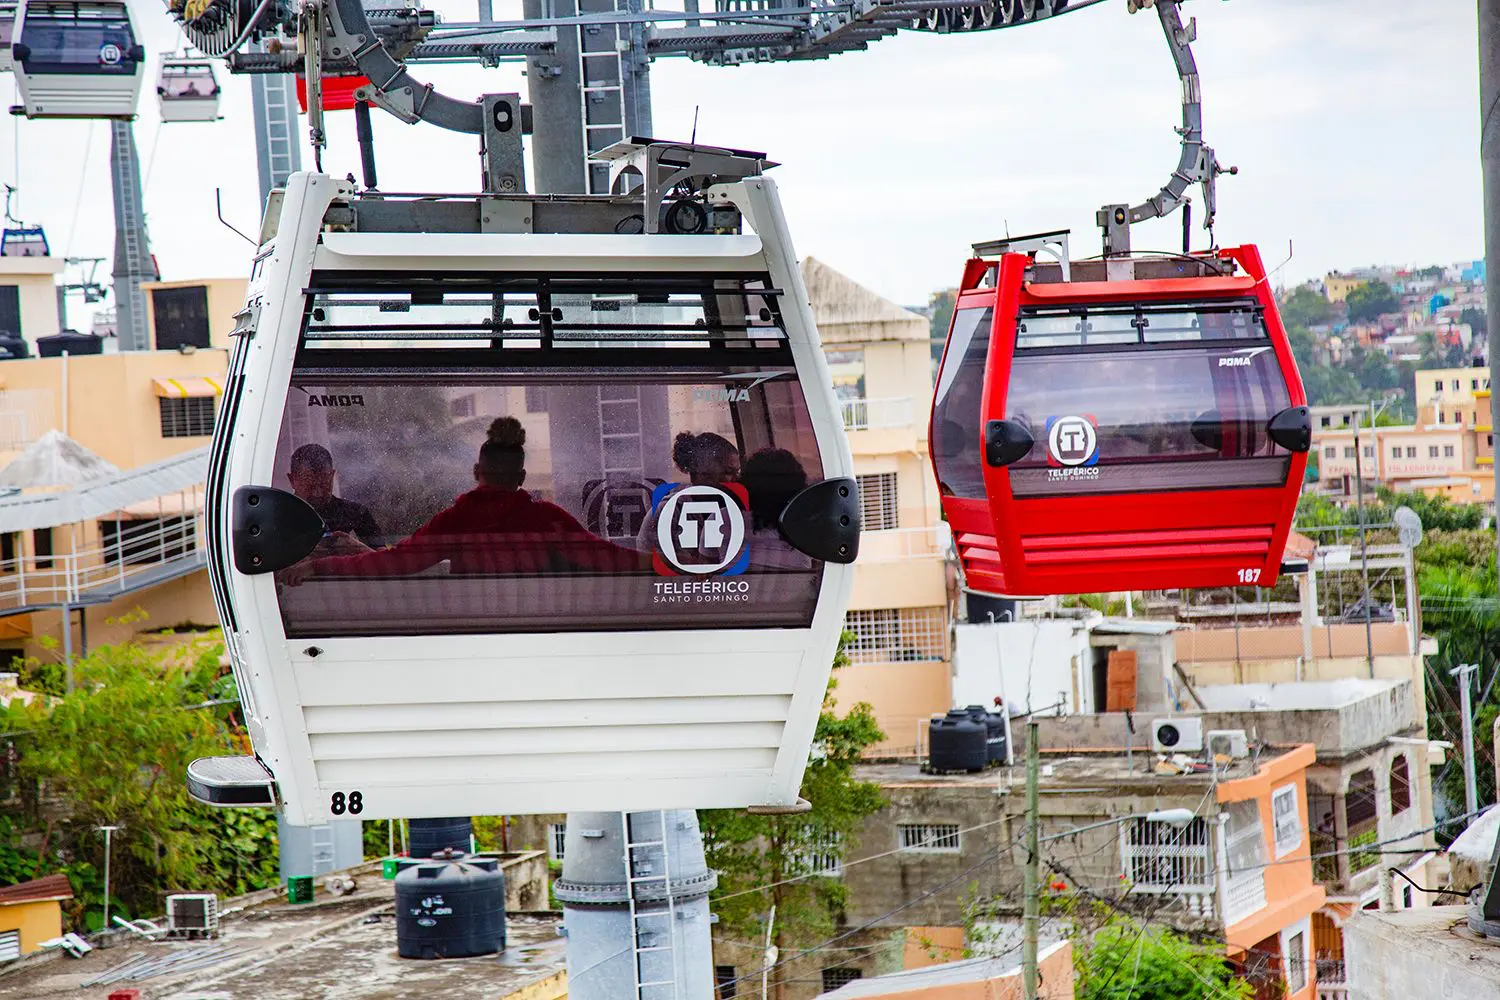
[(1123, 962), (114, 751), (939, 318), (1369, 300), (752, 851), (1305, 307)]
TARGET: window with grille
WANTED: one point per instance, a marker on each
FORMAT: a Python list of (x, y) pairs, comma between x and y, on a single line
[(1432, 451), (1296, 962), (147, 540), (897, 635), (1361, 819), (928, 836), (557, 835), (1369, 451), (1331, 452), (461, 407), (1411, 452), (841, 976), (1400, 785), (1349, 452), (1447, 451), (190, 417), (821, 853), (877, 501), (1395, 452), (1160, 857), (725, 982)]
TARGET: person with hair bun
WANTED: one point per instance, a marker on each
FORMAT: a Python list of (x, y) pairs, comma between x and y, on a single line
[(495, 528), (707, 459)]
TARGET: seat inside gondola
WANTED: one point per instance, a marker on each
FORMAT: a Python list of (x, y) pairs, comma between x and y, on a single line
[(186, 80), (24, 241)]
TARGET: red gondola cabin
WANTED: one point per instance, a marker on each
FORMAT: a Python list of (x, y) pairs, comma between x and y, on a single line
[(1139, 426)]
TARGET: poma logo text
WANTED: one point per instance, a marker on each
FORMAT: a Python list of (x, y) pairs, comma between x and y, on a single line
[(726, 394), (331, 399)]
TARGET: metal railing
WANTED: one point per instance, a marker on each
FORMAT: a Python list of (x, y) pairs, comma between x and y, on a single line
[(872, 414), (1244, 894), (893, 544), (126, 550)]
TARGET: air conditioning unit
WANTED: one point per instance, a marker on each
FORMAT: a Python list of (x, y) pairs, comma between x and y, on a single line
[(1231, 743), (1184, 735), (192, 914)]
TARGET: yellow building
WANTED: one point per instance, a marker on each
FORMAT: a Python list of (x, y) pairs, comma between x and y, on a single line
[(1338, 286), (28, 296), (197, 313), (1450, 386), (30, 913), (880, 360), (104, 456)]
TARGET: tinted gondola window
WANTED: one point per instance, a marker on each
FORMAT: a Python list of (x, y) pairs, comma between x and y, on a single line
[(77, 39), (602, 485), (1148, 417), (955, 412)]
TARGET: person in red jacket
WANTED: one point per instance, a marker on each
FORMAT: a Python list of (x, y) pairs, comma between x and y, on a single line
[(496, 528)]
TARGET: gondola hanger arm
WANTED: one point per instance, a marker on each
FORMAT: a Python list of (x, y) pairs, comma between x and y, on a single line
[(1197, 163)]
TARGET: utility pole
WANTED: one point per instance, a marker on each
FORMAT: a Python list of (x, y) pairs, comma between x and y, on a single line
[(1489, 158), (1364, 546), (1030, 914), (107, 831), (1471, 793)]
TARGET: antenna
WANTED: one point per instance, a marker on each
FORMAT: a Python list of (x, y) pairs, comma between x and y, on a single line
[(694, 140)]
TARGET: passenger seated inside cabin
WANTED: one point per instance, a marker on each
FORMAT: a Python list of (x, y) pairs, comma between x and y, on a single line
[(707, 459), (311, 475), (496, 528), (773, 476)]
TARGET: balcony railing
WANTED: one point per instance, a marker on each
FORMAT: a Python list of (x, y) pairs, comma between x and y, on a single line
[(1244, 894), (1359, 860), (894, 544), (873, 414), (129, 553)]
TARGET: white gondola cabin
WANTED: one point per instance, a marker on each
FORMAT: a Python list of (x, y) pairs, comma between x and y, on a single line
[(526, 521), (187, 91), (77, 59), (8, 11)]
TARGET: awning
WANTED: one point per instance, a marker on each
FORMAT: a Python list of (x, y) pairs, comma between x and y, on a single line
[(182, 388)]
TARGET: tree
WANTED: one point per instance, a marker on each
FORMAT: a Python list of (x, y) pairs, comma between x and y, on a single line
[(939, 318), (115, 751), (765, 852), (1370, 300), (1124, 962), (1305, 307)]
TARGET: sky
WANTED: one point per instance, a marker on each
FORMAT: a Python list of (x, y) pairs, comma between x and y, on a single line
[(1354, 124)]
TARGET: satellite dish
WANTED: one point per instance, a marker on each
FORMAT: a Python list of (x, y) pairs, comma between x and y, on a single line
[(1409, 527)]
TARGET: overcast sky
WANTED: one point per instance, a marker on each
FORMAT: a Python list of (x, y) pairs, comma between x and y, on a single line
[(1354, 124)]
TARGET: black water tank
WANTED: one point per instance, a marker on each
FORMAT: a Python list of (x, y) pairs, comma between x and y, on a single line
[(70, 341), (12, 347), (956, 743), (979, 608), (431, 836), (994, 732), (450, 909)]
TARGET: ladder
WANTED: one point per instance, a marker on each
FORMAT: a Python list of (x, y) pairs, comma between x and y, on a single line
[(601, 74), (653, 914), (132, 263), (276, 142), (622, 452)]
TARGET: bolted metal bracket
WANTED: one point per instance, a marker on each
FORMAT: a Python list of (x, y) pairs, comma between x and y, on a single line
[(504, 122), (660, 168)]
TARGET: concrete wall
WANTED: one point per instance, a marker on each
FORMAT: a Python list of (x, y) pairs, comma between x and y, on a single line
[(1032, 664), (39, 921), (112, 407), (1418, 953)]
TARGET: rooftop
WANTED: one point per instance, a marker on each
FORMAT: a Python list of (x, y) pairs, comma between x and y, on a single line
[(36, 890), (271, 950), (969, 970), (1293, 696), (1071, 770)]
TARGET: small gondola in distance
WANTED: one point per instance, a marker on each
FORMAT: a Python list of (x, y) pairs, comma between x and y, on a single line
[(1141, 426)]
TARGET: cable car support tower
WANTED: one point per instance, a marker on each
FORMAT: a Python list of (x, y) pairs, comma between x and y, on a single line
[(634, 885)]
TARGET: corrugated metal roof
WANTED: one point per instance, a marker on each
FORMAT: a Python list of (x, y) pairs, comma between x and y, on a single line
[(38, 889), (969, 970), (1136, 626), (105, 495)]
